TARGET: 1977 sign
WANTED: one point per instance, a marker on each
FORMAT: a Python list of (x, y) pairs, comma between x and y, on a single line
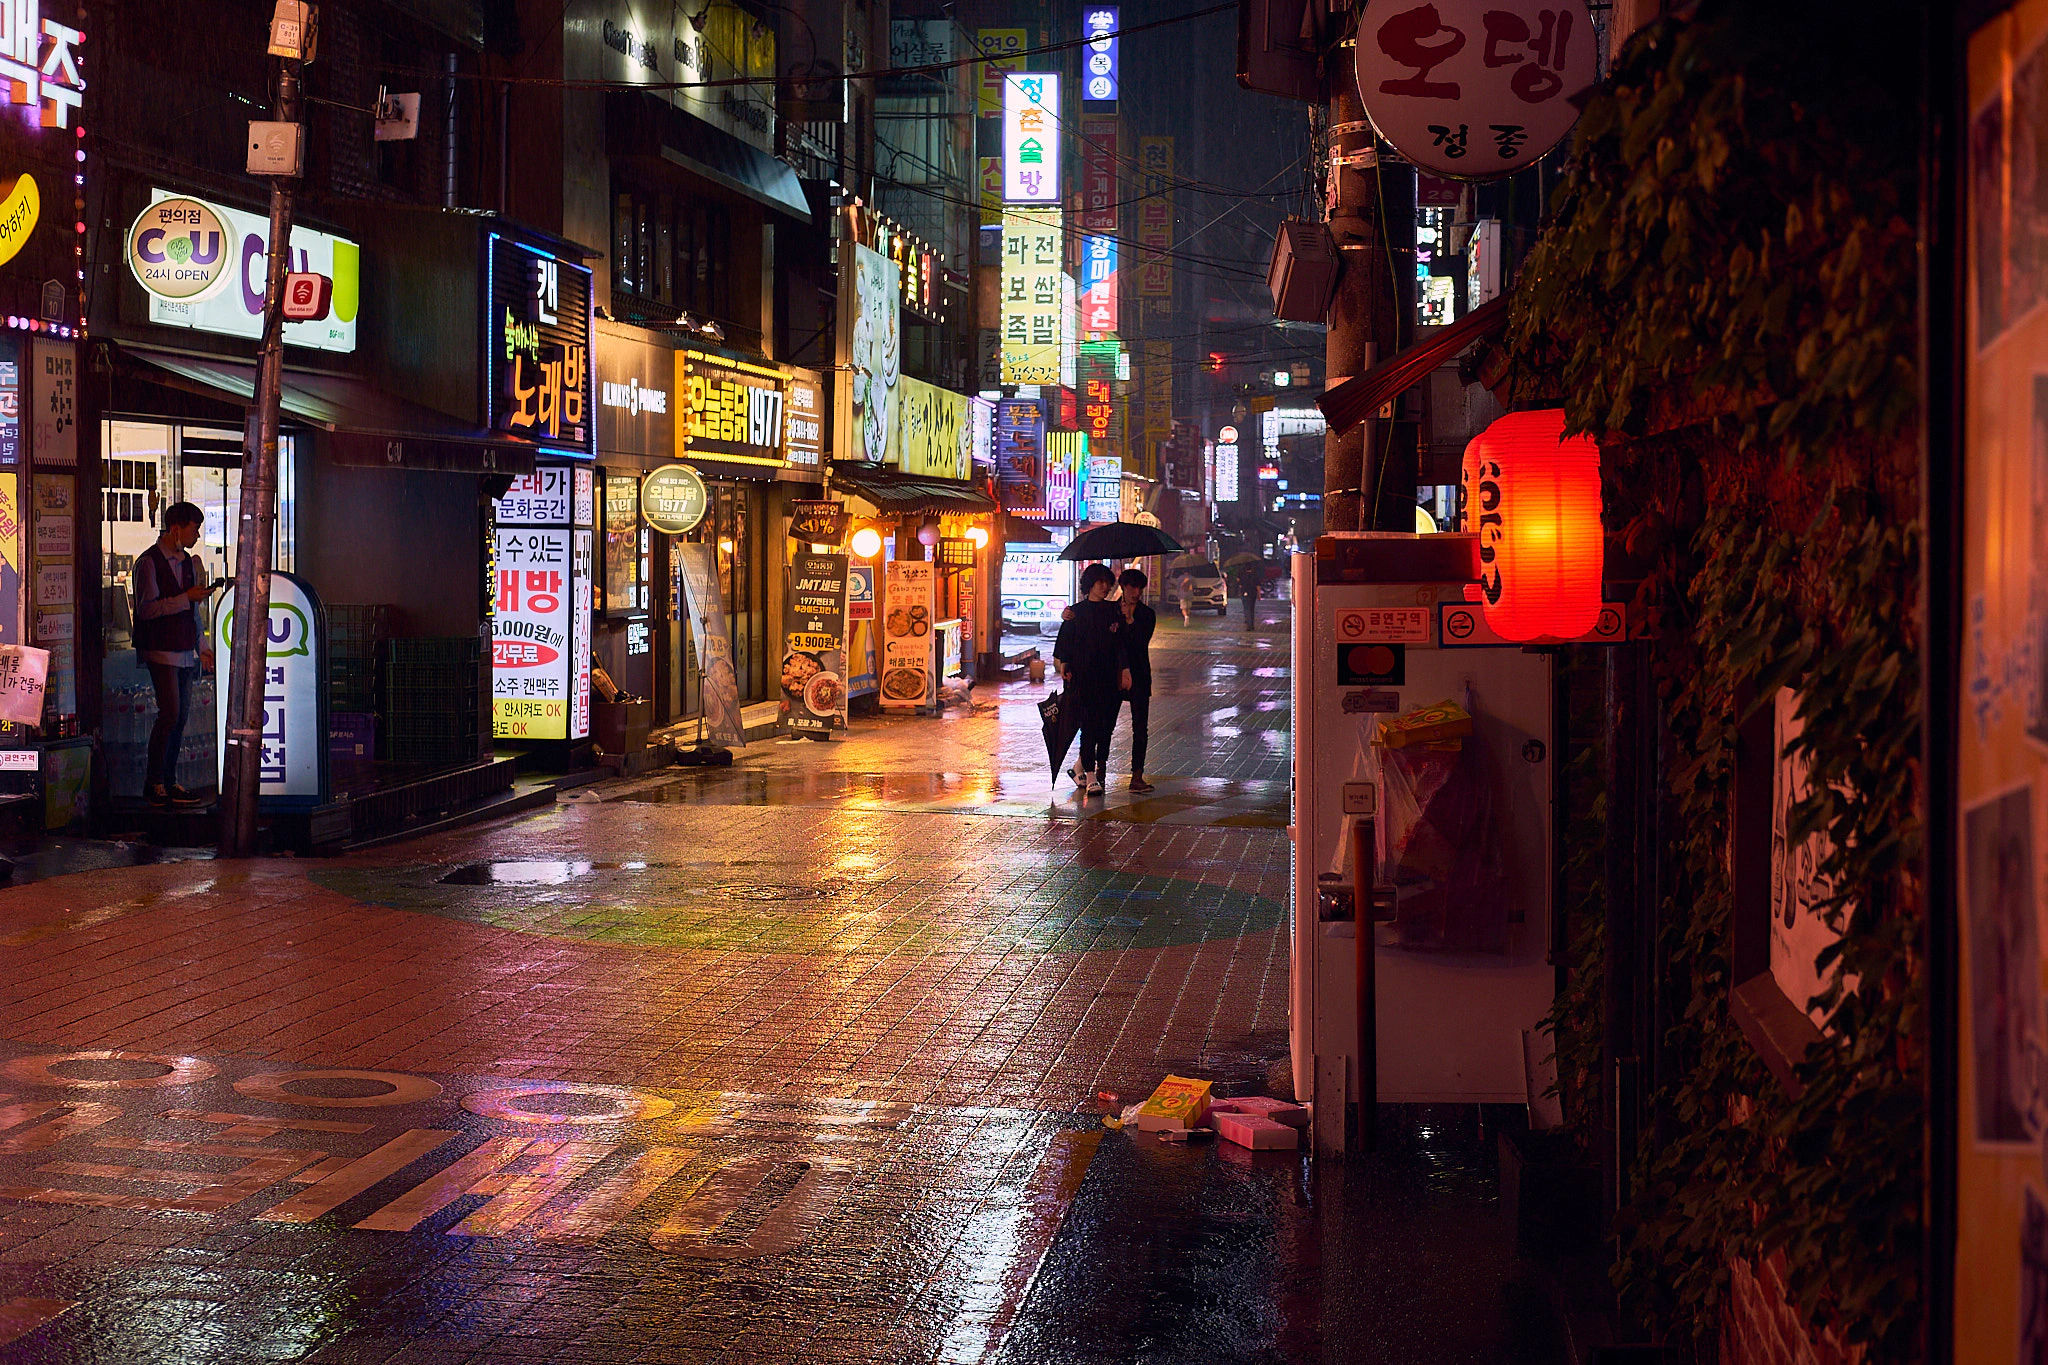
[(1475, 88)]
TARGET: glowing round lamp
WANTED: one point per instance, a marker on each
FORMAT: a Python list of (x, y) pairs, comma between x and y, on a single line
[(927, 535), (1533, 495), (979, 536), (867, 542)]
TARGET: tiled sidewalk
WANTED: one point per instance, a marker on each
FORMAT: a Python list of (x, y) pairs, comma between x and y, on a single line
[(653, 1081)]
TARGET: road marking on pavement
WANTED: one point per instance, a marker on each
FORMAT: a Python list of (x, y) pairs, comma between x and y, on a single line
[(589, 1220), (437, 1192), (338, 1187)]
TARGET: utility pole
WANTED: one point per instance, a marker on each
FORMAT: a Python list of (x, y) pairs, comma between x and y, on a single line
[(1369, 471), (241, 780)]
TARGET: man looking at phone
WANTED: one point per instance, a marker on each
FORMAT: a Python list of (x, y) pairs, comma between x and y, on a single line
[(170, 583)]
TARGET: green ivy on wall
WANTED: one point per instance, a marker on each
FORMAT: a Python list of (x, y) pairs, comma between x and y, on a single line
[(1725, 295)]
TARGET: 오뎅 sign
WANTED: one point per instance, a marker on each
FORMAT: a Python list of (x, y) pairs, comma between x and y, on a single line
[(1475, 88)]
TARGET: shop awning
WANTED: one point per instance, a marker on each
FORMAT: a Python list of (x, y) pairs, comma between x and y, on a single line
[(366, 426), (1356, 399), (896, 494), (638, 124)]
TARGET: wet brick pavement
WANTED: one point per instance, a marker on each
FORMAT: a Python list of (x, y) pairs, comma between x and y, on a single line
[(794, 1061)]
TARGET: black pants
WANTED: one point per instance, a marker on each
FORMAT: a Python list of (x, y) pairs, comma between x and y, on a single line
[(173, 707), (1141, 721), (1098, 723)]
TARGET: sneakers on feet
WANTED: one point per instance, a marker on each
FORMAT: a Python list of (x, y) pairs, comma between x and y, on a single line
[(155, 794), (181, 797), (1139, 784)]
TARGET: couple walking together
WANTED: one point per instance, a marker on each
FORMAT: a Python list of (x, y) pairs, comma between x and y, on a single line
[(1104, 657)]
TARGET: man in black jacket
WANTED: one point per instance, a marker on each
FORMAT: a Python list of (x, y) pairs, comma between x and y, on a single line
[(1139, 620)]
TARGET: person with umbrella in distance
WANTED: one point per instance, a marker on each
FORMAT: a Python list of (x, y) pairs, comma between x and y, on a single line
[(1089, 651), (1139, 621)]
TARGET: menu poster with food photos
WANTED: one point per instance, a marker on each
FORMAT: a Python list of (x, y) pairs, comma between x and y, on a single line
[(907, 678), (699, 565), (813, 697)]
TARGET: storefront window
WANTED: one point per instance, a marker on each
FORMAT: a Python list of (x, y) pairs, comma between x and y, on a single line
[(150, 465), (147, 467)]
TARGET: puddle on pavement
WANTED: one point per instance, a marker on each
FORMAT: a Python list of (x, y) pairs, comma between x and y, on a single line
[(1014, 904), (1185, 801)]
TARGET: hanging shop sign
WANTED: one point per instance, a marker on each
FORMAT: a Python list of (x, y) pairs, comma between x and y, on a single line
[(813, 698), (803, 417), (1004, 47), (205, 266), (920, 273), (1098, 174), (540, 608), (874, 355), (635, 379), (1019, 438), (819, 521), (1099, 76), (1033, 300), (732, 410), (673, 499), (1098, 285), (935, 440), (1031, 138), (1097, 376), (1475, 88), (1155, 221), (1066, 459), (21, 208), (908, 680), (291, 761), (178, 250), (981, 430), (538, 377)]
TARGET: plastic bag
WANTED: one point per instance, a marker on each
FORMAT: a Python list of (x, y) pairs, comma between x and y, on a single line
[(1443, 847)]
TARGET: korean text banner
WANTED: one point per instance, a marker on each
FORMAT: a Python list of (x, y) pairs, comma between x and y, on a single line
[(291, 759), (732, 410), (1031, 138), (538, 328), (1098, 285), (1099, 75), (1003, 46), (237, 310), (540, 593), (935, 440), (1020, 454), (813, 697), (908, 635), (699, 565), (1033, 305), (1098, 173), (1155, 219)]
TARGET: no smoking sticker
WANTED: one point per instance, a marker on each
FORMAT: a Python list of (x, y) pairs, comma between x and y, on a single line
[(1384, 625)]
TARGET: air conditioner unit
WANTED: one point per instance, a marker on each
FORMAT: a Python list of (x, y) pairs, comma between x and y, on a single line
[(1303, 274)]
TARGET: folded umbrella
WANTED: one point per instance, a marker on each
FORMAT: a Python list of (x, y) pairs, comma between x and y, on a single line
[(1121, 540), (1062, 722)]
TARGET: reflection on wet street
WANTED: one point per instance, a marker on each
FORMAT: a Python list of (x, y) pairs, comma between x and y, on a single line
[(805, 1059)]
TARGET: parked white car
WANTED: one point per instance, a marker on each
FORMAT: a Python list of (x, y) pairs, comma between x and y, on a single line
[(1202, 582)]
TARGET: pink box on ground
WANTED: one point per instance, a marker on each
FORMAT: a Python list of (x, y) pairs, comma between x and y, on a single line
[(1259, 1134), (1262, 1106)]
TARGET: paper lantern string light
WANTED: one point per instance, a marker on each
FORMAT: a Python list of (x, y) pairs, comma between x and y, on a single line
[(1535, 498)]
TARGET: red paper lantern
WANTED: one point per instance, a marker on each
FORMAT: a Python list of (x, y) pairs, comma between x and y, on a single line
[(1533, 494)]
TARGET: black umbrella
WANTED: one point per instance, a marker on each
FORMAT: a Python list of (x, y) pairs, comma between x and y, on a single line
[(1062, 718), (1121, 540)]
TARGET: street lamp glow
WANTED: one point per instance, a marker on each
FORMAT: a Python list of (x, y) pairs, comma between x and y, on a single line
[(867, 542), (979, 536)]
